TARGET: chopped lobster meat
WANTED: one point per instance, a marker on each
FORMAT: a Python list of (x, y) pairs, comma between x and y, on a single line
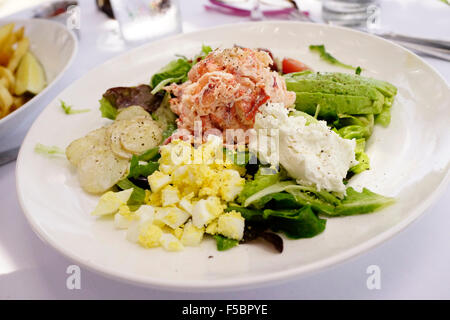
[(226, 89)]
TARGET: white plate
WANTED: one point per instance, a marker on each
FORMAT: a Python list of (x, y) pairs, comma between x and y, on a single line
[(409, 159), (55, 47)]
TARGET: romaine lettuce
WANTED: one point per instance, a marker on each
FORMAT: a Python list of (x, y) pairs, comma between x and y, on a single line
[(295, 224), (361, 202)]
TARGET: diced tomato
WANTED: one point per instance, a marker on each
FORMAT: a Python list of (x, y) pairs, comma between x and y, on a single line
[(292, 65)]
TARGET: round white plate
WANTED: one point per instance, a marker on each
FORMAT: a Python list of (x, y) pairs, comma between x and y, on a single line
[(55, 47), (409, 160)]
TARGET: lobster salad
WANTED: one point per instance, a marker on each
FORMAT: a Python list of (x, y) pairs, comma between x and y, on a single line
[(232, 144)]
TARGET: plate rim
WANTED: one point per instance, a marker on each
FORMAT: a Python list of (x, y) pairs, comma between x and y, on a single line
[(58, 76), (226, 284)]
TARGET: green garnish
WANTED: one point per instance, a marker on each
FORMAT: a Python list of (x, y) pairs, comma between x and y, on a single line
[(260, 182), (294, 223), (171, 127), (137, 197), (107, 109), (365, 201), (224, 243), (176, 71), (149, 155), (137, 169), (48, 150), (69, 110), (358, 70), (316, 114), (328, 57)]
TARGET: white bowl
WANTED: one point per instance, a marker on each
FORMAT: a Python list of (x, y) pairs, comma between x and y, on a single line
[(409, 160), (55, 47)]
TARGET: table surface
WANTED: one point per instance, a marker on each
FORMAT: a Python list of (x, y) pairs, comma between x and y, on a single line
[(414, 264)]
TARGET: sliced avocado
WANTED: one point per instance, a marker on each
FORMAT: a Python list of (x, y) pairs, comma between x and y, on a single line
[(333, 87), (384, 87), (331, 104)]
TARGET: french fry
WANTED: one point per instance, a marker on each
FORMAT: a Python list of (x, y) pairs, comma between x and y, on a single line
[(19, 101), (6, 101), (7, 76), (5, 31), (19, 33), (4, 82), (14, 52), (22, 48), (7, 50)]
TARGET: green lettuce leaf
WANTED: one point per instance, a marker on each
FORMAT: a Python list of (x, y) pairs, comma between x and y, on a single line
[(137, 170), (137, 197), (363, 163), (107, 109), (174, 71), (274, 188), (361, 202), (224, 243), (171, 128), (321, 201), (279, 200), (295, 224), (260, 182), (149, 155), (203, 53)]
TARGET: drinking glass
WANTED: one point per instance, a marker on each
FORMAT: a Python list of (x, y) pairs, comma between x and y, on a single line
[(350, 12), (141, 20)]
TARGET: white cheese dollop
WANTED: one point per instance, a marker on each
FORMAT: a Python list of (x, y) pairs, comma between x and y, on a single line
[(311, 153)]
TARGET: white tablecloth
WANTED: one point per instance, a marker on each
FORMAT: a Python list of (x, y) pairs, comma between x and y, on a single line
[(414, 264)]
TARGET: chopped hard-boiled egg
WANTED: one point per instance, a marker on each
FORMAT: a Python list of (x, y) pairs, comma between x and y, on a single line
[(231, 225), (212, 228), (170, 242), (206, 210), (231, 184), (158, 180), (172, 216), (150, 235), (169, 195), (146, 213), (192, 236), (187, 198), (186, 205), (123, 218), (110, 202)]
